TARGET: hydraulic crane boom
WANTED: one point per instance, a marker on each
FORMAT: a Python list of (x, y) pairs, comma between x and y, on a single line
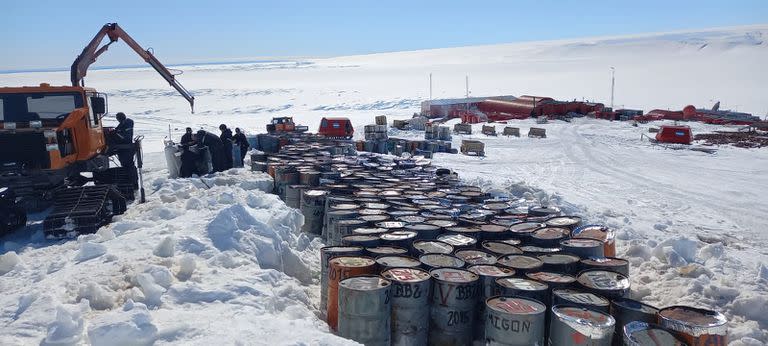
[(92, 51)]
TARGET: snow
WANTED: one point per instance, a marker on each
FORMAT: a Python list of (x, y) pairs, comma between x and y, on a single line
[(217, 260)]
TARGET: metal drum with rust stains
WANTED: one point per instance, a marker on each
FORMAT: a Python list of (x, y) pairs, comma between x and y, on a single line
[(697, 327), (514, 321), (454, 298), (553, 281), (626, 310), (458, 241), (442, 223), (521, 263), (344, 228), (560, 263), (638, 333), (488, 275), (566, 221), (522, 288), (613, 264), (365, 304), (531, 250), (396, 261), (543, 211), (423, 247), (587, 300), (582, 247), (549, 236), (377, 251), (361, 240), (326, 254), (410, 305), (339, 269), (608, 284), (424, 231), (473, 232), (437, 260), (309, 178), (474, 257), (602, 233), (523, 230), (500, 248), (493, 232), (313, 209), (571, 325)]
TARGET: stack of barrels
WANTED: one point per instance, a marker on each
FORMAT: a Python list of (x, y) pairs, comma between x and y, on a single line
[(375, 139), (416, 257)]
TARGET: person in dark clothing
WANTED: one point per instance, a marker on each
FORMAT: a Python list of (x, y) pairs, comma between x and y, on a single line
[(188, 138), (215, 147), (226, 139), (122, 140), (124, 131), (242, 142), (188, 163)]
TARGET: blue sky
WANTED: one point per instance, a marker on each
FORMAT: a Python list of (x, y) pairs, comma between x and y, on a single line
[(46, 34)]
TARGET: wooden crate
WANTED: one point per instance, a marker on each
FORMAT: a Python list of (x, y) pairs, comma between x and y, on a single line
[(537, 132), (462, 129), (471, 147), (489, 130), (511, 131), (381, 120)]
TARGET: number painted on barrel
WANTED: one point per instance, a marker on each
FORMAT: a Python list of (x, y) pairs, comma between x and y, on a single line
[(456, 318)]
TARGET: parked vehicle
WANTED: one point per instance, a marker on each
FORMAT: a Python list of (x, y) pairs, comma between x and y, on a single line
[(336, 128)]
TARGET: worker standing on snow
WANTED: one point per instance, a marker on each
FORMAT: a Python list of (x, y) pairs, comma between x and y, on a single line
[(122, 140), (188, 163), (188, 138), (215, 148), (226, 139), (242, 142)]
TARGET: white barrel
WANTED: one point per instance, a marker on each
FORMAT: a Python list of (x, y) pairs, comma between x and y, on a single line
[(514, 321), (173, 160), (572, 325), (365, 309)]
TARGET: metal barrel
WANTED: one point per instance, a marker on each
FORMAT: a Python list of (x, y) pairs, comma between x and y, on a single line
[(424, 231), (568, 296), (423, 247), (373, 220), (626, 310), (549, 236), (524, 230), (493, 232), (377, 251), (613, 264), (560, 263), (330, 201), (608, 284), (309, 178), (313, 209), (340, 268), (488, 275), (514, 321), (334, 216), (553, 280), (326, 254), (531, 250), (577, 326), (411, 288), (522, 288), (638, 333), (395, 261), (697, 327), (345, 228), (458, 241), (582, 247), (375, 231), (454, 296), (544, 211), (293, 195), (521, 263), (467, 231), (365, 304), (569, 222), (602, 233), (285, 176), (500, 248), (361, 240), (437, 260), (401, 239), (473, 257)]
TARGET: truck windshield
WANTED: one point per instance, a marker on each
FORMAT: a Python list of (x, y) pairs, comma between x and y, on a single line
[(25, 107)]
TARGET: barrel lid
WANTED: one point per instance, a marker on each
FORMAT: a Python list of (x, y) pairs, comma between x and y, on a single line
[(442, 223), (581, 243), (343, 212), (344, 206), (522, 284), (369, 230), (515, 305), (550, 233), (491, 228), (360, 237), (642, 333), (453, 275), (514, 242), (599, 232), (581, 297), (386, 250), (557, 258), (476, 256), (411, 219), (543, 211), (553, 277), (433, 246), (397, 261), (605, 261), (373, 205), (457, 239), (315, 193), (563, 221), (364, 283), (372, 211), (398, 235), (634, 305), (540, 250), (406, 275), (603, 280), (691, 317), (347, 222), (503, 221), (353, 261), (390, 224), (463, 230), (389, 193), (420, 227), (374, 218), (520, 262), (578, 316), (524, 227), (438, 260), (491, 270), (501, 248), (496, 206)]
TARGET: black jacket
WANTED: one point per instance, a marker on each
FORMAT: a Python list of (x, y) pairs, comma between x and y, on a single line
[(124, 131), (241, 141), (187, 139)]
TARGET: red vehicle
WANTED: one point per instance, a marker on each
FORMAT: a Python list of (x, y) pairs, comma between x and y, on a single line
[(674, 134), (336, 128)]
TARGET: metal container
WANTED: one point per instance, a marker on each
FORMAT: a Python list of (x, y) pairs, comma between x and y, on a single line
[(600, 232), (344, 228), (499, 248), (614, 264), (473, 257), (436, 260), (401, 239), (543, 211), (549, 236), (326, 254), (488, 275), (608, 284), (340, 268), (454, 297), (361, 240), (520, 263), (538, 251), (560, 263), (411, 288), (391, 225), (309, 178), (626, 310), (458, 241), (313, 209), (514, 321), (384, 251), (293, 195), (568, 296), (697, 327), (333, 217), (493, 232), (394, 261), (424, 231), (422, 247), (467, 231), (373, 220), (522, 288), (553, 280), (365, 310), (375, 231), (524, 230), (572, 325), (637, 333), (583, 247), (569, 222)]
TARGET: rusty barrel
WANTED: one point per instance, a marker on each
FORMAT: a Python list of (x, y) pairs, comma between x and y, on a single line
[(583, 247), (285, 176), (613, 264), (576, 326), (473, 257), (454, 297), (488, 275), (608, 284), (697, 327), (523, 230), (568, 296), (364, 309), (326, 254), (437, 260), (423, 247), (638, 333), (600, 232), (410, 305), (309, 178), (458, 241), (396, 261), (500, 248), (521, 263), (313, 209), (626, 310), (514, 321), (339, 269)]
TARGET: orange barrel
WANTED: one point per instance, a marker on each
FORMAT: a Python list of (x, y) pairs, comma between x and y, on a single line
[(339, 269), (697, 327), (601, 233), (272, 166)]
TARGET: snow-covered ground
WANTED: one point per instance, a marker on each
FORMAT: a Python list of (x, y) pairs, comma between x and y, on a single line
[(223, 262)]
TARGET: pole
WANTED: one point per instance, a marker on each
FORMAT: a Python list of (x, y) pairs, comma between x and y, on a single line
[(613, 82), (430, 86)]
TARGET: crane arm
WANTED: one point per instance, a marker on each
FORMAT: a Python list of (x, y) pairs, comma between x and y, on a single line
[(114, 32)]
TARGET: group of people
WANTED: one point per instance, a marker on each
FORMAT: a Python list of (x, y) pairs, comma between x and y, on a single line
[(220, 148)]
